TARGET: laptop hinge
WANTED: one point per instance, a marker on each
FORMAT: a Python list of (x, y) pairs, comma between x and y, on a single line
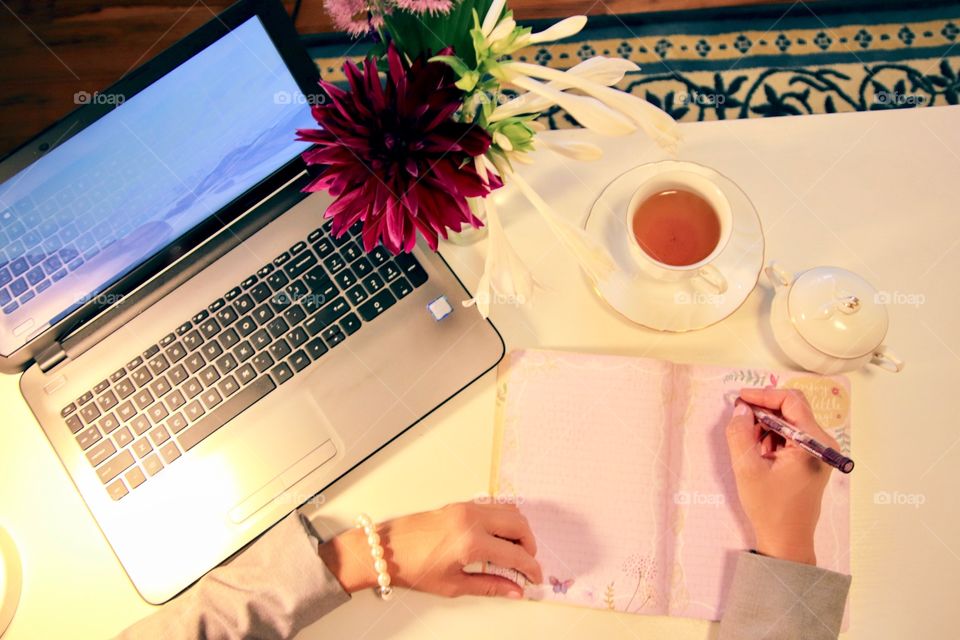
[(51, 357)]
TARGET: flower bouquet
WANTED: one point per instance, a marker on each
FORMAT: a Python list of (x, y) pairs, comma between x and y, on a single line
[(438, 114)]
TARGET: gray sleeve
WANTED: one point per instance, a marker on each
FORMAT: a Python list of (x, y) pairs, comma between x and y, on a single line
[(772, 598), (271, 589)]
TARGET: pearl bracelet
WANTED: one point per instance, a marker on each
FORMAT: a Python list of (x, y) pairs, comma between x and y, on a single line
[(376, 550)]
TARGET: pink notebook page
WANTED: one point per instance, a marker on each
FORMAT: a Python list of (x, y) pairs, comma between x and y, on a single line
[(622, 468)]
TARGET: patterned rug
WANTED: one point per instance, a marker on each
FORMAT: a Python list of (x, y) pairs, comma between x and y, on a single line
[(773, 60)]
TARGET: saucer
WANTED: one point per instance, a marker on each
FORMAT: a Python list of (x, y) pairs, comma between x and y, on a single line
[(686, 304)]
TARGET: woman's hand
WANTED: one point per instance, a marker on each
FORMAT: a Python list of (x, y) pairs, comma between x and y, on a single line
[(427, 551), (780, 485)]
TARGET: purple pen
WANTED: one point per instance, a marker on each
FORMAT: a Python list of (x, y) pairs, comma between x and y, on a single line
[(808, 443)]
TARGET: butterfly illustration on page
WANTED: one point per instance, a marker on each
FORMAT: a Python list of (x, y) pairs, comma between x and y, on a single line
[(561, 586)]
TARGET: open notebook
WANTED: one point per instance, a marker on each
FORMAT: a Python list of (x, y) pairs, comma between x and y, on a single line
[(622, 468)]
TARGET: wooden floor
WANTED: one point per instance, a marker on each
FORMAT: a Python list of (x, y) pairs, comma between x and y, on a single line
[(51, 49)]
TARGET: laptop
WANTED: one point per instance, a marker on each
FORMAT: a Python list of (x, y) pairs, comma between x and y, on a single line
[(201, 353)]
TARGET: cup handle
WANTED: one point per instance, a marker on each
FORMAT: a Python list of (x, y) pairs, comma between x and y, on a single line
[(886, 359), (713, 277), (777, 275)]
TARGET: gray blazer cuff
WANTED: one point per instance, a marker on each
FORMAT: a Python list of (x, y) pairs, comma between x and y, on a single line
[(772, 598)]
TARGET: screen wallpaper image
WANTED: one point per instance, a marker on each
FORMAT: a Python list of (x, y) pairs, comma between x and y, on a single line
[(125, 187)]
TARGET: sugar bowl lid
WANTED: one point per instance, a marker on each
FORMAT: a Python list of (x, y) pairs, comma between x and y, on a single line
[(837, 312)]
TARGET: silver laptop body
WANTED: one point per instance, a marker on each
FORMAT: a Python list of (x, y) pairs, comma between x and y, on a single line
[(181, 478)]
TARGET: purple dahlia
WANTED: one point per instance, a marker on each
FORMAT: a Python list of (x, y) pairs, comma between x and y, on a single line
[(392, 156)]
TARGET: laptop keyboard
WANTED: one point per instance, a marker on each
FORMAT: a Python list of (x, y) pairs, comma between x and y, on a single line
[(242, 346)]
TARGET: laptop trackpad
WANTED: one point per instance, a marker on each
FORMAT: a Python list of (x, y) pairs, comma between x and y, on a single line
[(283, 481)]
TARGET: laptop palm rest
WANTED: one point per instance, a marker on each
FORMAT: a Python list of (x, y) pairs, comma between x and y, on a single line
[(283, 481)]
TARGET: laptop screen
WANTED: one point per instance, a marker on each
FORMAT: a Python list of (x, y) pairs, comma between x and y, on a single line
[(122, 189)]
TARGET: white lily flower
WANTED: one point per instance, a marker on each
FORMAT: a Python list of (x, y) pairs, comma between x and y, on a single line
[(563, 29), (657, 124), (493, 16), (504, 273), (605, 71), (588, 111), (589, 253)]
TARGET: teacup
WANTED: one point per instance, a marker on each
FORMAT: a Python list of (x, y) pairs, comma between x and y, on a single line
[(690, 181)]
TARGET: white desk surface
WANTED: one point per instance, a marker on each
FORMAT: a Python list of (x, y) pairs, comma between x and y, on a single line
[(876, 193)]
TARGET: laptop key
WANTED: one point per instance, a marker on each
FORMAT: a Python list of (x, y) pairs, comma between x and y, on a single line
[(373, 283), (115, 466), (175, 400), (74, 423), (401, 288), (101, 452), (362, 266), (299, 360), (262, 361), (280, 349), (209, 328), (333, 336), (390, 271), (228, 411), (243, 351), (376, 305), (345, 279), (324, 247), (379, 255), (169, 452), (298, 247), (192, 388), (140, 425), (263, 314), (152, 351), (350, 323), (160, 386), (124, 388), (211, 350), (294, 315), (200, 317), (193, 411), (281, 259), (227, 316), (152, 464), (182, 329), (135, 477), (314, 235), (116, 375), (228, 338), (141, 376), (108, 423), (281, 373), (296, 337), (277, 327), (260, 339), (246, 373), (192, 340), (209, 376), (316, 348), (177, 423), (158, 364), (126, 411), (327, 316), (194, 361), (216, 305), (117, 490), (85, 398), (176, 352), (122, 437), (101, 386), (167, 340), (412, 269), (211, 398), (107, 401), (233, 293), (159, 435), (334, 263), (357, 294), (157, 413), (228, 386), (276, 281), (90, 412), (142, 447), (246, 326), (177, 375), (244, 304), (265, 270), (88, 437), (300, 264)]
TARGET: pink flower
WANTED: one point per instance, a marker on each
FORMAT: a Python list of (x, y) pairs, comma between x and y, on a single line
[(349, 15), (425, 6), (393, 157)]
